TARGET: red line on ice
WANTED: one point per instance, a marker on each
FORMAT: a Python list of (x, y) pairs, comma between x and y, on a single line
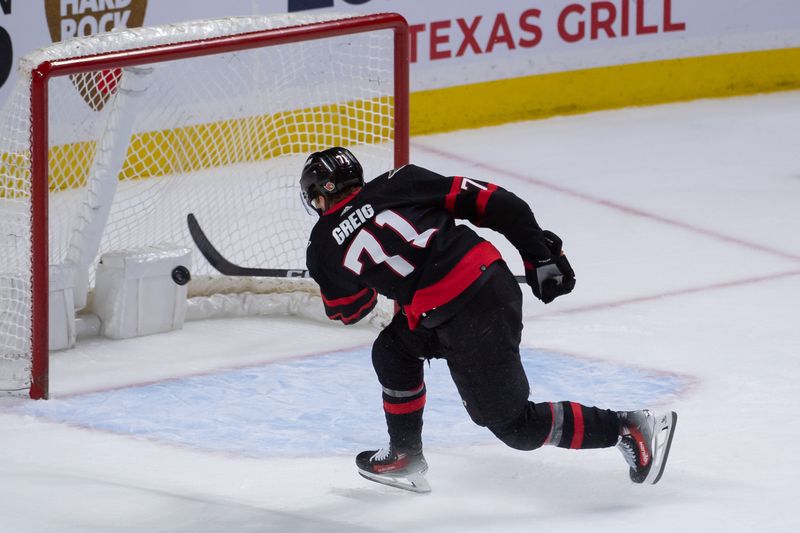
[(597, 200)]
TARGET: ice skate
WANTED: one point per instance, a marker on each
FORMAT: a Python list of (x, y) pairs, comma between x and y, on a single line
[(403, 469), (645, 440)]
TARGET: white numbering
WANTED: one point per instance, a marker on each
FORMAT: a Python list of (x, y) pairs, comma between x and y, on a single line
[(364, 241), (404, 228), (466, 182)]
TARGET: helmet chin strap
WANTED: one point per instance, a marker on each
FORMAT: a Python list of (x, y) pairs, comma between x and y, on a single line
[(310, 207), (323, 204)]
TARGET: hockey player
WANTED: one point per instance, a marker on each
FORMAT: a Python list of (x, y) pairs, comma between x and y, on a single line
[(396, 235)]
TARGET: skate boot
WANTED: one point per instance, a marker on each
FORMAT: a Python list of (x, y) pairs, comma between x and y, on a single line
[(403, 469), (644, 441)]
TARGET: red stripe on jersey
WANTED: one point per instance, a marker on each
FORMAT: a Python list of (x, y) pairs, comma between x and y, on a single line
[(404, 408), (341, 203), (450, 199), (483, 199), (347, 300), (577, 436), (363, 310), (453, 283)]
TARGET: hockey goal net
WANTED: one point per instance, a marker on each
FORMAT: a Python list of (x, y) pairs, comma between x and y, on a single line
[(109, 141)]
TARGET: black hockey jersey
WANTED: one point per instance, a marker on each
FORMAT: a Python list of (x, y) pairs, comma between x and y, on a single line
[(397, 236)]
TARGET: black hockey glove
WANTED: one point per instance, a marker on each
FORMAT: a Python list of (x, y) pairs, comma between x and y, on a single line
[(551, 277)]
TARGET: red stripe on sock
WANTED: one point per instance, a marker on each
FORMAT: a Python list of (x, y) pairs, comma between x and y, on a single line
[(404, 408), (577, 436)]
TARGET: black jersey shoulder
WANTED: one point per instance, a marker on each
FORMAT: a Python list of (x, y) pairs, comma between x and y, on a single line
[(408, 184)]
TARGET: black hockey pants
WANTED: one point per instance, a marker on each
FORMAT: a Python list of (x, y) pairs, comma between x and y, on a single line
[(481, 346)]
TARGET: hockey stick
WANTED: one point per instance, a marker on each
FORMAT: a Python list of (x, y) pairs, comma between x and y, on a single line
[(227, 268)]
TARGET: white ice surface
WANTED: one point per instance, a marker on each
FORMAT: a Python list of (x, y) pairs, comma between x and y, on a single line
[(683, 224)]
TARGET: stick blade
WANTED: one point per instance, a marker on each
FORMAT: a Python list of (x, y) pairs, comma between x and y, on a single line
[(223, 266)]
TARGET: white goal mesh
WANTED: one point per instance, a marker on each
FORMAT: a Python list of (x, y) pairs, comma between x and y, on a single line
[(220, 133)]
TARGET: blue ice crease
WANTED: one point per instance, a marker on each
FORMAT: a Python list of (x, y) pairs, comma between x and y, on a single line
[(332, 404)]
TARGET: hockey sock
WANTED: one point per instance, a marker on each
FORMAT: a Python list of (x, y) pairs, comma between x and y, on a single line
[(562, 424), (577, 426), (404, 416)]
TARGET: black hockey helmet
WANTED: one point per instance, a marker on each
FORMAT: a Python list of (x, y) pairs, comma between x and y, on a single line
[(328, 173)]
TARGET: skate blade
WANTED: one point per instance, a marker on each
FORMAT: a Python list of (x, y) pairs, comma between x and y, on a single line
[(414, 483), (662, 442)]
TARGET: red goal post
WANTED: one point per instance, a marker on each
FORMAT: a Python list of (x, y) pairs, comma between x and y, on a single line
[(43, 74)]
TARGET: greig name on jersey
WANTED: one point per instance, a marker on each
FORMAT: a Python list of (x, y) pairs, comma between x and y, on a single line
[(353, 221)]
